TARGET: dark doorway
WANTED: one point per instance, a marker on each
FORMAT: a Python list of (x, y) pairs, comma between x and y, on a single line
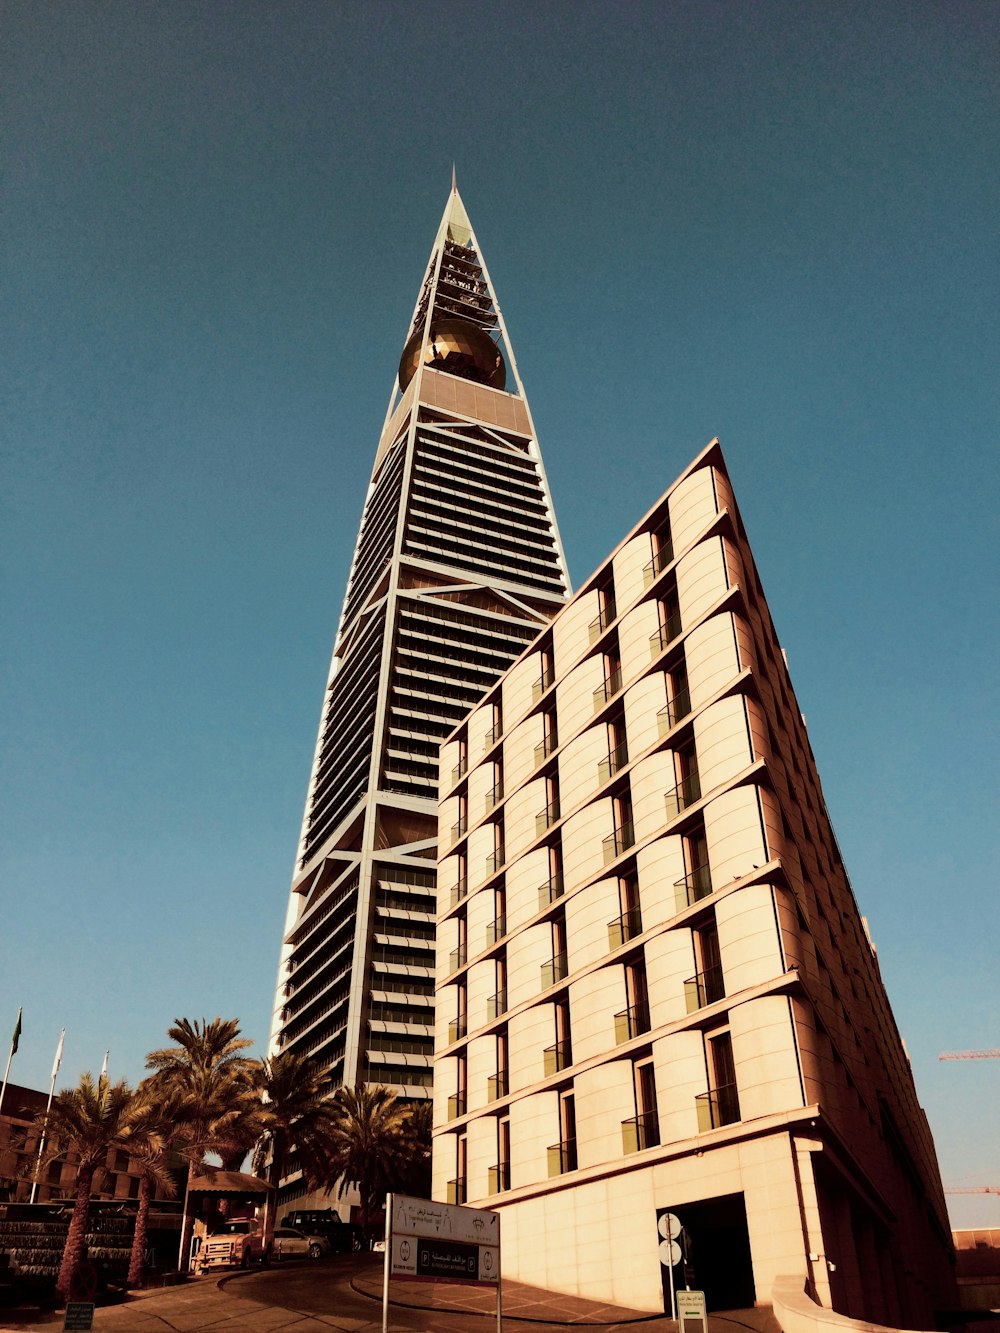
[(718, 1251)]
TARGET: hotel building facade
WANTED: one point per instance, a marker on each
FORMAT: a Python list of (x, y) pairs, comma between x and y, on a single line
[(656, 995)]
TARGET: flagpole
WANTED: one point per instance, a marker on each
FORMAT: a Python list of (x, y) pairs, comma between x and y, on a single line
[(48, 1107), (13, 1047)]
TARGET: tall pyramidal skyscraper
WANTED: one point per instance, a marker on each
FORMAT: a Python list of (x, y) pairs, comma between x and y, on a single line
[(457, 566)]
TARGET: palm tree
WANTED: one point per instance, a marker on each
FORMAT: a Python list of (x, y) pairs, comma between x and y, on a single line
[(299, 1119), (87, 1120), (371, 1144), (419, 1120), (148, 1143), (215, 1089)]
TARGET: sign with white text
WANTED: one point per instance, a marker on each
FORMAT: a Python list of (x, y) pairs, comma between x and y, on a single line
[(443, 1242)]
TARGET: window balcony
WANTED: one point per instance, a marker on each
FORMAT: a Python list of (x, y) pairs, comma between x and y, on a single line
[(684, 794), (459, 829), (456, 1105), (620, 841), (496, 930), (652, 568), (460, 769), (616, 760), (546, 747), (667, 632), (623, 928), (704, 988), (546, 818), (631, 1022), (556, 1058), (495, 860), (548, 892), (456, 1190), (719, 1107), (493, 797), (492, 736), (499, 1178), (460, 891), (678, 707), (496, 1004), (556, 969), (691, 888), (642, 1131), (542, 684), (458, 1028), (610, 687), (601, 621), (458, 958), (562, 1157), (497, 1086)]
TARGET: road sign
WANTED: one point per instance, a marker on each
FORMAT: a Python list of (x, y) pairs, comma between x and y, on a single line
[(692, 1305), (670, 1253), (444, 1241), (669, 1227), (79, 1316)]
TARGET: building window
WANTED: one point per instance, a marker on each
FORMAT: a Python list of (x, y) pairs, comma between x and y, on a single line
[(458, 1101), (688, 786), (559, 1056), (617, 752), (678, 704), (501, 1180), (557, 968), (606, 611), (54, 1173), (721, 1104), (612, 682), (628, 924), (457, 1187), (623, 836), (133, 1187), (697, 882), (562, 1155), (122, 1161), (707, 985), (643, 1130), (546, 674), (634, 1020)]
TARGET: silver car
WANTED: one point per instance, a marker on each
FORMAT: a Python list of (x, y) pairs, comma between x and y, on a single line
[(290, 1243)]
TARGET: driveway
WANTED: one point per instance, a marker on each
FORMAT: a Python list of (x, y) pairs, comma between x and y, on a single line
[(343, 1294)]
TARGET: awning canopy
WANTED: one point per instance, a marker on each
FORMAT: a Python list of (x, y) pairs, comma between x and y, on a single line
[(227, 1182)]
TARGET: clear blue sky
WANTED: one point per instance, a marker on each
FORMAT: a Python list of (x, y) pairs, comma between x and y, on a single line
[(771, 222)]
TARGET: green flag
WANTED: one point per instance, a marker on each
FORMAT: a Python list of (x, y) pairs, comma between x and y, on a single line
[(17, 1034)]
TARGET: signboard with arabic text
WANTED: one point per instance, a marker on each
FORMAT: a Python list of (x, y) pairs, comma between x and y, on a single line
[(443, 1242)]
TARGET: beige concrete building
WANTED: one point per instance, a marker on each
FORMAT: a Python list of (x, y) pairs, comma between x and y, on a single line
[(655, 991)]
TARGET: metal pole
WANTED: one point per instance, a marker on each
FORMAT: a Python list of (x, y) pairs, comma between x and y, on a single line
[(499, 1304), (6, 1072), (41, 1142), (673, 1303), (385, 1265)]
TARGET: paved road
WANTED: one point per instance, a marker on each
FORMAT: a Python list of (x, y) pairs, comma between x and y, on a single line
[(342, 1295)]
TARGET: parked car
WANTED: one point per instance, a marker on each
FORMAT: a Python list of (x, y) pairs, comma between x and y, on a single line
[(291, 1243), (343, 1236), (237, 1245)]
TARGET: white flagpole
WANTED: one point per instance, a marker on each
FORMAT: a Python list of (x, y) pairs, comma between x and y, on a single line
[(104, 1068), (13, 1047), (48, 1107)]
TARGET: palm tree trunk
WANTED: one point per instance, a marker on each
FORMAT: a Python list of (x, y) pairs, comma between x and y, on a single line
[(139, 1239), (77, 1234)]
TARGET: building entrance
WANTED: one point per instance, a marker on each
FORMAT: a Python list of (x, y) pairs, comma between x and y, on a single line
[(717, 1248)]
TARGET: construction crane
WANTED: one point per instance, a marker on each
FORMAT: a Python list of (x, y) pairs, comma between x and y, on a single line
[(972, 1189), (970, 1055)]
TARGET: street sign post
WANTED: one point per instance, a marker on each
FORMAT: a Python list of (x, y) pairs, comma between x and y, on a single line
[(440, 1242), (692, 1305), (669, 1228)]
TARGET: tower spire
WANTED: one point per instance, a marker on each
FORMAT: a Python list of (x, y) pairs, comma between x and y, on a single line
[(457, 566)]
